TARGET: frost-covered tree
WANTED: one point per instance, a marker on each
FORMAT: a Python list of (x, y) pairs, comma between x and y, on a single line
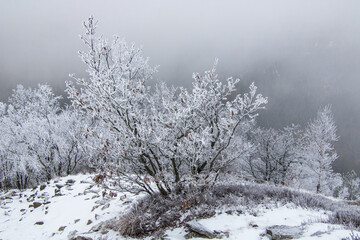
[(39, 139), (351, 186), (165, 136), (26, 124), (318, 153), (274, 156), (7, 145), (68, 134)]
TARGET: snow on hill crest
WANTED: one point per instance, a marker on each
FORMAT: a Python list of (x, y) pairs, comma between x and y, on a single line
[(74, 206)]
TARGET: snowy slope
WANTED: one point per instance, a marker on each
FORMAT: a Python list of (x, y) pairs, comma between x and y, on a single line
[(79, 207), (74, 206)]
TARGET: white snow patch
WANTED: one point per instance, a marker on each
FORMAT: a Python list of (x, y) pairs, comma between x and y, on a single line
[(83, 201)]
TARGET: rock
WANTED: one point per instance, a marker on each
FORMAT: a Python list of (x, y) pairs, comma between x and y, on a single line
[(96, 228), (72, 234), (318, 233), (239, 212), (44, 195), (107, 205), (31, 198), (101, 202), (96, 191), (88, 182), (76, 220), (57, 192), (89, 222), (39, 223), (8, 200), (254, 225), (266, 237), (22, 210), (201, 230), (70, 181), (229, 212), (284, 232), (36, 204), (95, 207), (62, 228), (59, 186), (81, 238), (42, 187)]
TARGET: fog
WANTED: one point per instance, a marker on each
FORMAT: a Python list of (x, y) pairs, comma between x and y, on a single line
[(301, 54)]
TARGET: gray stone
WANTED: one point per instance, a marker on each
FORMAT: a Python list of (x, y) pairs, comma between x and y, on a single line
[(318, 233), (278, 232), (81, 238), (96, 228), (70, 181), (107, 205), (88, 182), (101, 202), (96, 191), (201, 230)]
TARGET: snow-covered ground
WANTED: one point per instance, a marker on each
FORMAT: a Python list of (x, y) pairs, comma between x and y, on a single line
[(73, 211), (248, 226), (75, 206)]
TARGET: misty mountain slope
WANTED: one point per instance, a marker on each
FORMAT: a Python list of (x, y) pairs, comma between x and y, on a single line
[(74, 206)]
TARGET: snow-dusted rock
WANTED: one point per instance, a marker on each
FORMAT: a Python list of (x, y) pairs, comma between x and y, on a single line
[(278, 232), (201, 230)]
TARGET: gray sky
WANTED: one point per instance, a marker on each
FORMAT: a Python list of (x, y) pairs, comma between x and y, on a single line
[(303, 54)]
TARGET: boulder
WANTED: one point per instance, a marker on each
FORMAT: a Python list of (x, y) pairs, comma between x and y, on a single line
[(278, 232), (201, 230)]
